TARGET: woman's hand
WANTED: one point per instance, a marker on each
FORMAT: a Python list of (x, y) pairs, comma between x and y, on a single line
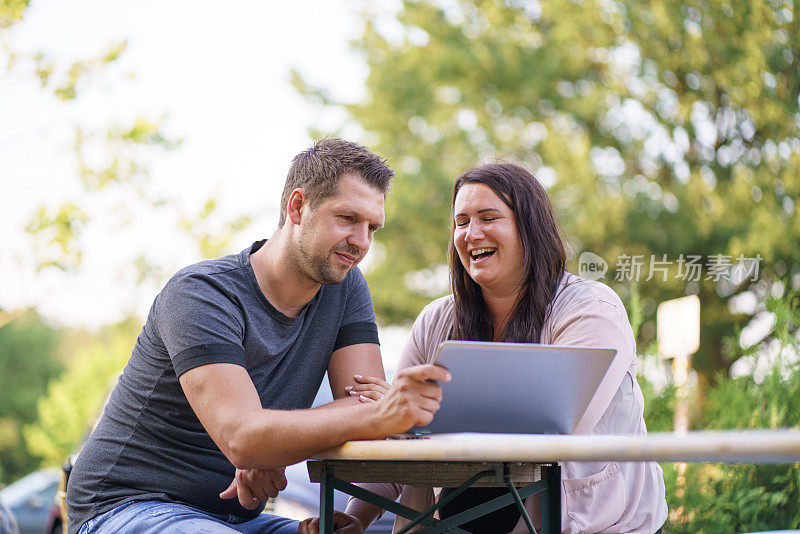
[(342, 524), (255, 485), (369, 388)]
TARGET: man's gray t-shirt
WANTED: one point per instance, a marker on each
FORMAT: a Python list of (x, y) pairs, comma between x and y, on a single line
[(149, 444)]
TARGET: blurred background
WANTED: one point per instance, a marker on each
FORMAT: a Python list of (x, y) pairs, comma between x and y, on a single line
[(139, 137)]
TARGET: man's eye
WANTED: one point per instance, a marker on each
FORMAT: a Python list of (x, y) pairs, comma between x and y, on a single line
[(347, 218), (461, 223)]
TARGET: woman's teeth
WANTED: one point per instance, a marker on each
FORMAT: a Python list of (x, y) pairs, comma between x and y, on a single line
[(482, 252)]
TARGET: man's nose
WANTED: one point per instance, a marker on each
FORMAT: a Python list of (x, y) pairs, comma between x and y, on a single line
[(360, 237)]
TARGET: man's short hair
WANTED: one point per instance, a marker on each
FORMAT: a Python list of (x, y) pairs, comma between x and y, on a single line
[(319, 168)]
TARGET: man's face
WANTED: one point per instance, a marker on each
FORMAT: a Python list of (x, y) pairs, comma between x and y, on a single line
[(336, 234)]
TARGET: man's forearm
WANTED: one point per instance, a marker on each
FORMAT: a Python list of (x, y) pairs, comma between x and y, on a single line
[(345, 401), (266, 439), (252, 437)]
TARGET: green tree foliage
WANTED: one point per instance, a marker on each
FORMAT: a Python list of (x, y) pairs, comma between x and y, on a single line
[(121, 167), (213, 244), (11, 11), (722, 498), (110, 162), (28, 360), (69, 408), (665, 127)]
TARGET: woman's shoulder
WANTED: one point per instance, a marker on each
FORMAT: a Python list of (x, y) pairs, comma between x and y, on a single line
[(575, 290), (437, 310), (433, 323)]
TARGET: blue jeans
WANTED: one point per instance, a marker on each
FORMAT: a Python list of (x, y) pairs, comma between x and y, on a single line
[(157, 517)]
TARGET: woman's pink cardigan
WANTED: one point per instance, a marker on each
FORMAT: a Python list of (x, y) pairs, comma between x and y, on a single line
[(596, 496)]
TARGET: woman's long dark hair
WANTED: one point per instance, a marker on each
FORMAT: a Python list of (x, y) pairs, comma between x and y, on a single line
[(543, 253)]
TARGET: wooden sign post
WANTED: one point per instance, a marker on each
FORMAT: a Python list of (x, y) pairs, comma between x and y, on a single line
[(678, 323)]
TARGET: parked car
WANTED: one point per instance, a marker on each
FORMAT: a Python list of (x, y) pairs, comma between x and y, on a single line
[(32, 501), (8, 523)]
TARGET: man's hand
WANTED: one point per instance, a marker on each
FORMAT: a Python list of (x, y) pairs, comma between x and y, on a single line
[(255, 485), (342, 524), (368, 388), (412, 399)]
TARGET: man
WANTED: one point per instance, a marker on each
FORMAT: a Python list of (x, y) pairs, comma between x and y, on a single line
[(213, 402)]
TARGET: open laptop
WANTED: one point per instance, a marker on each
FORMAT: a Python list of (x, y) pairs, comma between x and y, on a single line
[(516, 388)]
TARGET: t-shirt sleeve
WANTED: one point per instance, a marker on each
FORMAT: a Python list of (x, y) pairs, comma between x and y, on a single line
[(198, 324), (358, 322)]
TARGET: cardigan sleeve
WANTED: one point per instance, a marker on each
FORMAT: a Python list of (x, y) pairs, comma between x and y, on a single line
[(599, 321)]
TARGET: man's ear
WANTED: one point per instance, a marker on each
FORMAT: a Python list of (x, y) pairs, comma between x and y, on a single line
[(294, 207)]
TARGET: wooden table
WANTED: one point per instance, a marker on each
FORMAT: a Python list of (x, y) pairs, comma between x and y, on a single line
[(526, 464)]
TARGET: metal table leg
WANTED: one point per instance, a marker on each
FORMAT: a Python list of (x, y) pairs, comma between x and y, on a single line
[(326, 500), (551, 500)]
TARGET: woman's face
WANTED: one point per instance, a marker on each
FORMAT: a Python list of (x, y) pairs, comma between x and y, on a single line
[(487, 240)]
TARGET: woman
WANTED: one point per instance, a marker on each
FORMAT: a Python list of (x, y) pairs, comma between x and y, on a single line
[(509, 284)]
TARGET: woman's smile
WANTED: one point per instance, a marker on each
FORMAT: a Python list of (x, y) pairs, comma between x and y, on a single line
[(481, 254)]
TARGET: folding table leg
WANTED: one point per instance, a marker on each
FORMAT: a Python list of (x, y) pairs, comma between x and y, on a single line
[(551, 500), (521, 507), (326, 500)]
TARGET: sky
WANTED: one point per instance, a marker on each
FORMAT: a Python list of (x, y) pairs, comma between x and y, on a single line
[(218, 74)]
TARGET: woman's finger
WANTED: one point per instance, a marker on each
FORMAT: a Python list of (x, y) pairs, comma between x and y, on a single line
[(363, 391), (371, 396), (371, 380)]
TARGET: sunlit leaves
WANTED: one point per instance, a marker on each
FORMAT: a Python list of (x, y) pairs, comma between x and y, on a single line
[(56, 234), (663, 127), (115, 158), (118, 155), (11, 12), (213, 236), (64, 81)]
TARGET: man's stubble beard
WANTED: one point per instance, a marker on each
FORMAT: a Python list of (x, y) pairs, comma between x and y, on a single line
[(318, 267)]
